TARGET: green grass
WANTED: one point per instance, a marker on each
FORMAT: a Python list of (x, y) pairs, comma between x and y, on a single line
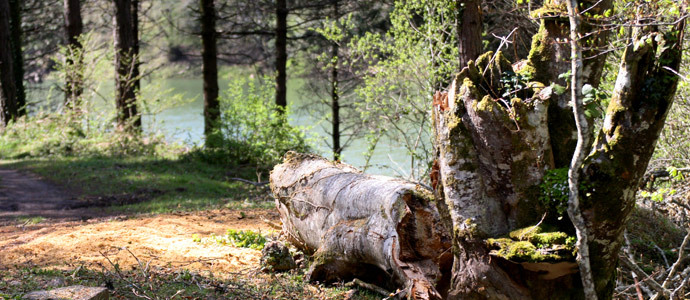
[(26, 220), (148, 184)]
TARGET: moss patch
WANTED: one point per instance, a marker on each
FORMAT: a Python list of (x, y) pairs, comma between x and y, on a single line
[(534, 244)]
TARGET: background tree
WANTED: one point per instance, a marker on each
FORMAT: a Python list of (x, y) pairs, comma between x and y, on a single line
[(126, 65), (210, 69), (74, 27), (8, 88), (17, 54)]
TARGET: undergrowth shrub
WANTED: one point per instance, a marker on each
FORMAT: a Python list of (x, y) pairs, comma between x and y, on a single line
[(252, 131), (69, 134)]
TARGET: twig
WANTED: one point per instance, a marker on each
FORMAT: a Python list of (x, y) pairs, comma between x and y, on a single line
[(663, 255), (635, 268), (271, 224), (368, 286), (676, 265), (254, 183)]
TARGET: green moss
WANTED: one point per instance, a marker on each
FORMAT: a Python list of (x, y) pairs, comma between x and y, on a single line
[(539, 58), (534, 244), (549, 238), (524, 234)]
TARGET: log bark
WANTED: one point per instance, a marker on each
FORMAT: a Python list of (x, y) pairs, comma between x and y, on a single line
[(377, 229)]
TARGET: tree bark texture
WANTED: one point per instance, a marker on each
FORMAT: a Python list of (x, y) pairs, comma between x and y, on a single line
[(373, 228), (74, 27), (493, 151), (281, 54), (126, 66), (209, 55), (8, 89)]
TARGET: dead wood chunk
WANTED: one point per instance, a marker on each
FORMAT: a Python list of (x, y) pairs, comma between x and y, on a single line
[(75, 292), (276, 257)]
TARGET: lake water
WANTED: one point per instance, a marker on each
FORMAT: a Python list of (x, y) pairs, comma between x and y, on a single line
[(184, 123)]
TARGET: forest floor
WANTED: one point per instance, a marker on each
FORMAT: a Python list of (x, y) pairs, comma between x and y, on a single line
[(51, 236)]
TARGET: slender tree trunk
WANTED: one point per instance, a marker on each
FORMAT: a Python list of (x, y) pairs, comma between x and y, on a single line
[(469, 30), (74, 26), (17, 54), (125, 65), (8, 90), (136, 75), (281, 54), (581, 151), (210, 69), (335, 94)]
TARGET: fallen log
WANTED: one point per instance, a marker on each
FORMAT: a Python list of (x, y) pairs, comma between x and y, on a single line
[(377, 229)]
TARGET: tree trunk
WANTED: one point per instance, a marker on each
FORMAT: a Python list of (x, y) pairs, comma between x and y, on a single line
[(126, 66), (469, 30), (281, 54), (335, 94), (210, 69), (373, 228), (17, 54), (74, 85), (8, 89)]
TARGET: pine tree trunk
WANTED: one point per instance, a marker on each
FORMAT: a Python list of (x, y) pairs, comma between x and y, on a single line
[(126, 66), (8, 89), (281, 54), (209, 55), (74, 26), (17, 54), (335, 94)]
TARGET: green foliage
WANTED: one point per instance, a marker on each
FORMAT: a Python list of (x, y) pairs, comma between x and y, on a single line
[(668, 189), (238, 238), (554, 190), (69, 134), (253, 131), (417, 56)]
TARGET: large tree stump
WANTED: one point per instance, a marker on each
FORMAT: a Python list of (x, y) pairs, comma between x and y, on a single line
[(378, 229)]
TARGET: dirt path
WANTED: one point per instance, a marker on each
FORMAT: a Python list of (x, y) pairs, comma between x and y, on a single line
[(67, 238), (25, 194)]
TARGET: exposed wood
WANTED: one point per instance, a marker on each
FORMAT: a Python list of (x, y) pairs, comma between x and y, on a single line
[(381, 230)]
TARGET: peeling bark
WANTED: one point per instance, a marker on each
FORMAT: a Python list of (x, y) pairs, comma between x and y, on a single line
[(377, 229)]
